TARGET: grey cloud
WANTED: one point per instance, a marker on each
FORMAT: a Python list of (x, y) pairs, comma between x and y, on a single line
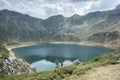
[(47, 8), (2, 4), (105, 5), (82, 0)]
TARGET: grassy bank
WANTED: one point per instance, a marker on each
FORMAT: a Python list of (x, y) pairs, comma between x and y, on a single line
[(66, 72), (4, 53)]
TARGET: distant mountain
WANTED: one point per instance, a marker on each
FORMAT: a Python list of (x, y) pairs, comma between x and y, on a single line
[(15, 27), (117, 7)]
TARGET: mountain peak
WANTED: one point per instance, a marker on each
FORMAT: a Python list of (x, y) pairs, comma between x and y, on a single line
[(117, 7)]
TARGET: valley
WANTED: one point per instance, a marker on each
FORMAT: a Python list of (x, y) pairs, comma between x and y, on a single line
[(33, 48)]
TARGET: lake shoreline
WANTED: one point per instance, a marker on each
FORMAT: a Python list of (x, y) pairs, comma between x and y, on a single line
[(22, 44), (85, 43), (88, 43)]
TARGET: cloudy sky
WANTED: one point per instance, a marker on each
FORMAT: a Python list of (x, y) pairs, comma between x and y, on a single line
[(46, 8)]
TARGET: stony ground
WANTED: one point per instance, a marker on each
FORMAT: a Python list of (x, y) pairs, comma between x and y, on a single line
[(111, 72)]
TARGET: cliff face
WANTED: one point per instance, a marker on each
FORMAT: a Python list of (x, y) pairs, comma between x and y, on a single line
[(13, 65)]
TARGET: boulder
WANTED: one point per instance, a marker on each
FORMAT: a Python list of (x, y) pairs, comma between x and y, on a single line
[(76, 62)]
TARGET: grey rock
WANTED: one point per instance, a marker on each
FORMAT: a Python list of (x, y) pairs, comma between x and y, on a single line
[(16, 66), (76, 62)]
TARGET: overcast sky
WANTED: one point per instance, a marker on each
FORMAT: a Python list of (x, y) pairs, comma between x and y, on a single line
[(46, 8)]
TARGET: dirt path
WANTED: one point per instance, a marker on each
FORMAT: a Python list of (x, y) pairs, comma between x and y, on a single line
[(111, 72)]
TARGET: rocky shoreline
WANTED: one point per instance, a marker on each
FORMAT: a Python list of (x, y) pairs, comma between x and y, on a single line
[(23, 44), (87, 43)]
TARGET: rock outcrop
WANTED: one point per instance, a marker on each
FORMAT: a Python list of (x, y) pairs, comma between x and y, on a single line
[(16, 66), (10, 64), (76, 62), (117, 7)]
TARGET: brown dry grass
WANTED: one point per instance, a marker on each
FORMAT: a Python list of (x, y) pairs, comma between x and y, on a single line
[(110, 72)]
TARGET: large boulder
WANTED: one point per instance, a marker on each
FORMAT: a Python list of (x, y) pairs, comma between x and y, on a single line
[(76, 62)]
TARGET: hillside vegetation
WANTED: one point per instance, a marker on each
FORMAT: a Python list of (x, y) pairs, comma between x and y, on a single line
[(66, 72), (110, 72), (4, 53)]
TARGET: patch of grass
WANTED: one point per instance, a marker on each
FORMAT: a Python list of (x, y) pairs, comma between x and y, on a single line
[(98, 61), (64, 72), (4, 53), (57, 74), (31, 76)]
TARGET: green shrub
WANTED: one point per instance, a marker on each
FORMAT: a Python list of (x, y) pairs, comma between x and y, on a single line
[(63, 72), (4, 53)]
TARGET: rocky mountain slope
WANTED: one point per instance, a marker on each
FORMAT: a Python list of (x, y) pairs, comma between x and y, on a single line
[(117, 7), (13, 65), (15, 27)]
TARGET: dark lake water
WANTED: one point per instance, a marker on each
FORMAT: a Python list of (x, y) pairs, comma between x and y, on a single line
[(43, 56)]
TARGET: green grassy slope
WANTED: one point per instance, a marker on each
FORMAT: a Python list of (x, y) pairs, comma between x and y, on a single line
[(66, 72), (4, 53)]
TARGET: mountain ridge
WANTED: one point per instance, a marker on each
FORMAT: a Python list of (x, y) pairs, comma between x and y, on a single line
[(16, 27), (117, 7)]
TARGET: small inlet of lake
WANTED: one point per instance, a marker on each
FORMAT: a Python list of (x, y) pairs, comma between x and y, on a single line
[(44, 56)]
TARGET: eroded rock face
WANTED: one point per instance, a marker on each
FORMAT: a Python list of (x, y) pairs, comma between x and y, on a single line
[(16, 66)]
